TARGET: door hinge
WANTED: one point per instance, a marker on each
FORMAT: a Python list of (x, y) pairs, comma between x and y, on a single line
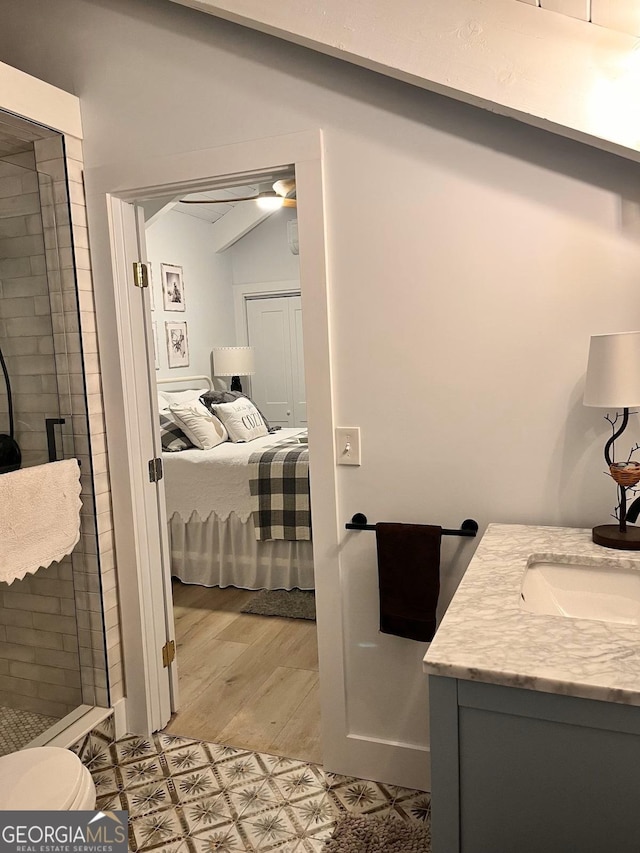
[(168, 653), (155, 470), (140, 274)]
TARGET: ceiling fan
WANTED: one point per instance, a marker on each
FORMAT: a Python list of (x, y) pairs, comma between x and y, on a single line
[(270, 196)]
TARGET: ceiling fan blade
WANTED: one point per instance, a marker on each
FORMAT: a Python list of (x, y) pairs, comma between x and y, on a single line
[(285, 187), (286, 202), (217, 200)]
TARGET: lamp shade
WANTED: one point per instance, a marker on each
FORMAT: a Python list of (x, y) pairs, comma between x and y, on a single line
[(613, 371), (233, 361)]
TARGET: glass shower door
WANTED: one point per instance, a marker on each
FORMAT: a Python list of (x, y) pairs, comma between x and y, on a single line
[(52, 649)]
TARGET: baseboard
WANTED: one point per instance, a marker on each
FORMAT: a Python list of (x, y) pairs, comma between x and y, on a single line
[(78, 729), (390, 762)]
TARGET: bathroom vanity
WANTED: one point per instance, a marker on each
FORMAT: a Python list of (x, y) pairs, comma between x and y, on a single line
[(534, 679)]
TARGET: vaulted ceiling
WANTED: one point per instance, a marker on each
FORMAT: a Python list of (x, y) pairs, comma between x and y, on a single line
[(213, 212)]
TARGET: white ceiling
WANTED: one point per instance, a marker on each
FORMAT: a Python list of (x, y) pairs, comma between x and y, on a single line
[(16, 136)]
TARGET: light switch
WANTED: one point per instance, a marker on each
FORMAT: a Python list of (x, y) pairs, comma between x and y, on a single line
[(348, 445)]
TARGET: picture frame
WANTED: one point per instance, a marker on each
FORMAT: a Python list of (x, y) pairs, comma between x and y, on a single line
[(156, 349), (177, 344), (172, 287), (152, 290)]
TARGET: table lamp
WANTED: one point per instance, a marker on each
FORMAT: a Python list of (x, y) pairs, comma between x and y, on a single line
[(613, 382), (234, 362)]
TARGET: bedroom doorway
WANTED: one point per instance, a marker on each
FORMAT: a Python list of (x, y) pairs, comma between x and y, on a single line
[(245, 679), (111, 195)]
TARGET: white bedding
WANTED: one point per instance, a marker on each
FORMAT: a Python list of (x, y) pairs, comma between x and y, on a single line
[(214, 481)]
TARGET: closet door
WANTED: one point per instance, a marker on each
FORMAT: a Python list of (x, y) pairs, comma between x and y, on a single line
[(297, 362), (275, 330)]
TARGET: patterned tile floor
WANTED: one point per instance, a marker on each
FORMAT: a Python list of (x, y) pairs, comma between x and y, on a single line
[(187, 796), (18, 728)]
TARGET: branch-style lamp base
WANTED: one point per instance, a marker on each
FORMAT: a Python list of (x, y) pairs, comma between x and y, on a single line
[(610, 536), (619, 536), (613, 382)]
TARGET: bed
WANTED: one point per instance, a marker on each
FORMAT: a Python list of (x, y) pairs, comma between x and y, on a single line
[(215, 521)]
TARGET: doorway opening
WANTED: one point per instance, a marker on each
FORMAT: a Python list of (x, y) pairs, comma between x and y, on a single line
[(225, 281)]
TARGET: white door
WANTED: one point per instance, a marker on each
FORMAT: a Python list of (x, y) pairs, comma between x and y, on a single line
[(274, 327), (156, 552)]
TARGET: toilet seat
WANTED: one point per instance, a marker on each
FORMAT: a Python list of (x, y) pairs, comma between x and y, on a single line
[(45, 778), (86, 797)]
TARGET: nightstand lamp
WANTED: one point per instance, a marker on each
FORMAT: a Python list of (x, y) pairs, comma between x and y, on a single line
[(234, 362)]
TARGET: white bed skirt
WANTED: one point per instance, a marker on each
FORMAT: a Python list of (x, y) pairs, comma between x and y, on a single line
[(226, 553)]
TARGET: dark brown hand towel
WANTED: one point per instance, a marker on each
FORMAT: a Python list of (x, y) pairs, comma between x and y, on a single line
[(409, 579)]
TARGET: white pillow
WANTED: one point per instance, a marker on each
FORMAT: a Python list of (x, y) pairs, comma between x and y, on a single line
[(181, 396), (242, 420), (202, 428)]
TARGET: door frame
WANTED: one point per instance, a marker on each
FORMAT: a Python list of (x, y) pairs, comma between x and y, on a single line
[(111, 191)]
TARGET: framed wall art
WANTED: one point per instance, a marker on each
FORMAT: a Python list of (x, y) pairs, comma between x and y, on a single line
[(152, 293), (156, 351), (172, 287), (177, 344)]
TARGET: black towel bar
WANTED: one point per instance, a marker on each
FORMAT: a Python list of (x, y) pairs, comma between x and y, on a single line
[(469, 527), (51, 436)]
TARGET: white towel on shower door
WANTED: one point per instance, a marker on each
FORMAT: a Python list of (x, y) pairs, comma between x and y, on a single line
[(39, 517)]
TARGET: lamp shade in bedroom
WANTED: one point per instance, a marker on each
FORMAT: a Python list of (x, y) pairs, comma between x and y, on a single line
[(234, 362)]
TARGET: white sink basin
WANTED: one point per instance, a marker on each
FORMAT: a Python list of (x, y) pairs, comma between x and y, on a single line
[(601, 591)]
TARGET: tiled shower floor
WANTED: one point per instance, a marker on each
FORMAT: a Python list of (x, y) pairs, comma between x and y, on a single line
[(18, 728), (187, 796)]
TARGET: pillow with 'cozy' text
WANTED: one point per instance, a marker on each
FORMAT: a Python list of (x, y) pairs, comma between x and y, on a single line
[(200, 426), (241, 418)]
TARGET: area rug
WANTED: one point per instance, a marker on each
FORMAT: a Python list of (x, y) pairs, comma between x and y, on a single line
[(362, 834), (293, 603)]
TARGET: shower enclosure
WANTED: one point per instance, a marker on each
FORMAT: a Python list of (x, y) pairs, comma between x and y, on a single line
[(52, 630)]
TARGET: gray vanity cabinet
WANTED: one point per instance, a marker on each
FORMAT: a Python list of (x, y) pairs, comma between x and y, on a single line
[(519, 771)]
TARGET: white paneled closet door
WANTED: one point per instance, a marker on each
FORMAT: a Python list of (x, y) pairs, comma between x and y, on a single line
[(297, 363), (274, 327)]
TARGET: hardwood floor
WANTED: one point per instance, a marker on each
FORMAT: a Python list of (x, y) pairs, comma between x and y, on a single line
[(246, 681)]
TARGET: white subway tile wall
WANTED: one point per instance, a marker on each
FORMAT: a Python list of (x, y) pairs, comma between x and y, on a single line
[(621, 15)]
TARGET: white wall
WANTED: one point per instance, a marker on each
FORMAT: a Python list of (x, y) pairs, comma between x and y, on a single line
[(185, 241), (504, 56), (470, 258), (263, 254)]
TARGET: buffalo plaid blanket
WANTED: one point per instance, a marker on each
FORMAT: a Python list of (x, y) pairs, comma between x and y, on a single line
[(279, 483)]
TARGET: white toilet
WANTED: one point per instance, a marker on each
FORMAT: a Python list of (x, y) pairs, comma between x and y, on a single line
[(45, 778)]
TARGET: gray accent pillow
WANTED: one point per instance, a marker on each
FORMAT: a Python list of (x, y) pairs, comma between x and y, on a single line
[(173, 439)]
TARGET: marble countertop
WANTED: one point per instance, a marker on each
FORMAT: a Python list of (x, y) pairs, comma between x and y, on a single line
[(485, 636)]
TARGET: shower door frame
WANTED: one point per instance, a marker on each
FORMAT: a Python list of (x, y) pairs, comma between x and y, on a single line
[(40, 102), (45, 105)]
